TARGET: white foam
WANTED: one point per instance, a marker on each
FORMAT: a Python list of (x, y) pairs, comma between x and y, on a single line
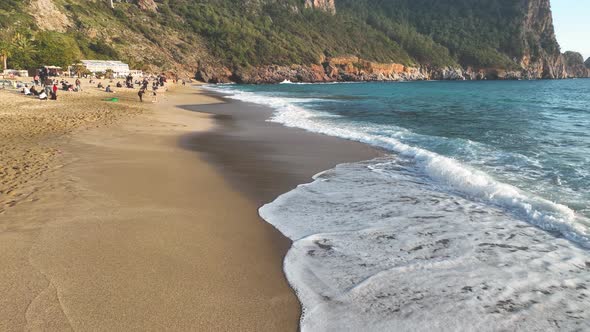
[(316, 83), (378, 248), (451, 175)]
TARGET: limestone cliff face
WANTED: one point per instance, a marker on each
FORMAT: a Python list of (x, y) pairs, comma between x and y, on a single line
[(336, 69), (541, 57), (325, 5), (587, 63)]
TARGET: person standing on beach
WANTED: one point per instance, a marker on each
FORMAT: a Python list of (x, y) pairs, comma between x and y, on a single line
[(78, 85), (43, 75), (155, 92), (36, 79), (48, 83), (140, 94)]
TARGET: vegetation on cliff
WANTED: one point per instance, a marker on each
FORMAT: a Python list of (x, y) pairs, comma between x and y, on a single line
[(239, 34)]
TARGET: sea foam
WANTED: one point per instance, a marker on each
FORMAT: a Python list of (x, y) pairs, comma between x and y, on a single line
[(378, 247)]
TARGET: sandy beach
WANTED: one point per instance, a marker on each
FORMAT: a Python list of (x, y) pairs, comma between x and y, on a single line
[(30, 130), (128, 231)]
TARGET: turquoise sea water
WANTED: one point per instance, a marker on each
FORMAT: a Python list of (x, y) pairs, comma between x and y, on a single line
[(470, 165), (534, 135)]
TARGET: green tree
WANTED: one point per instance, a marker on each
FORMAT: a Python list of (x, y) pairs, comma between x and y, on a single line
[(56, 49), (5, 46), (23, 52), (5, 52)]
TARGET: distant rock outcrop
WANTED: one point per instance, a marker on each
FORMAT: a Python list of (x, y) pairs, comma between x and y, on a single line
[(48, 16), (574, 65), (213, 74), (354, 69), (149, 5), (325, 5), (587, 63)]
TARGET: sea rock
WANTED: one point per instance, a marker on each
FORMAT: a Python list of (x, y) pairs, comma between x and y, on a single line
[(353, 68), (587, 63), (277, 74), (446, 73), (213, 74)]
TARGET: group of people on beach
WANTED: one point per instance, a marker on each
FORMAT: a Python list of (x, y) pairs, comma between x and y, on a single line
[(143, 86), (49, 86), (156, 84), (45, 87), (48, 89)]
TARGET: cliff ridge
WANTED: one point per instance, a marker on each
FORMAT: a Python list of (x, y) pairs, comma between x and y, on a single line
[(263, 41)]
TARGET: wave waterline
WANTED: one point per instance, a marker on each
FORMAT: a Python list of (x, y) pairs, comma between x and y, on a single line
[(451, 175)]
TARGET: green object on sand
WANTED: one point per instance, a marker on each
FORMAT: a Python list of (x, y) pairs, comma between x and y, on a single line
[(112, 99)]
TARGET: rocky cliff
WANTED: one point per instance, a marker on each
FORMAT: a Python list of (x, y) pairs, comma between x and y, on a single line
[(533, 48), (267, 41), (348, 69), (541, 57)]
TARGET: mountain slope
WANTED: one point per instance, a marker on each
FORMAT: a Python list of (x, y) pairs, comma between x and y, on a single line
[(312, 40)]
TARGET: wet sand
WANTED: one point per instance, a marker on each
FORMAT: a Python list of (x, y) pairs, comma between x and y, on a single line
[(264, 159)]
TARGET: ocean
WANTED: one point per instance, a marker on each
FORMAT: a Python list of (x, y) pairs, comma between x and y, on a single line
[(477, 216)]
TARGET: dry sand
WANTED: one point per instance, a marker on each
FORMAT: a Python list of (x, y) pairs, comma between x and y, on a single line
[(30, 130), (125, 229)]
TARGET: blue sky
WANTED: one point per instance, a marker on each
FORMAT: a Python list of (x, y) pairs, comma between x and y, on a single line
[(572, 25)]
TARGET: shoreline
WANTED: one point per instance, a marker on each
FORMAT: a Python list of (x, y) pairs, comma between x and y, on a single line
[(264, 159), (261, 159)]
